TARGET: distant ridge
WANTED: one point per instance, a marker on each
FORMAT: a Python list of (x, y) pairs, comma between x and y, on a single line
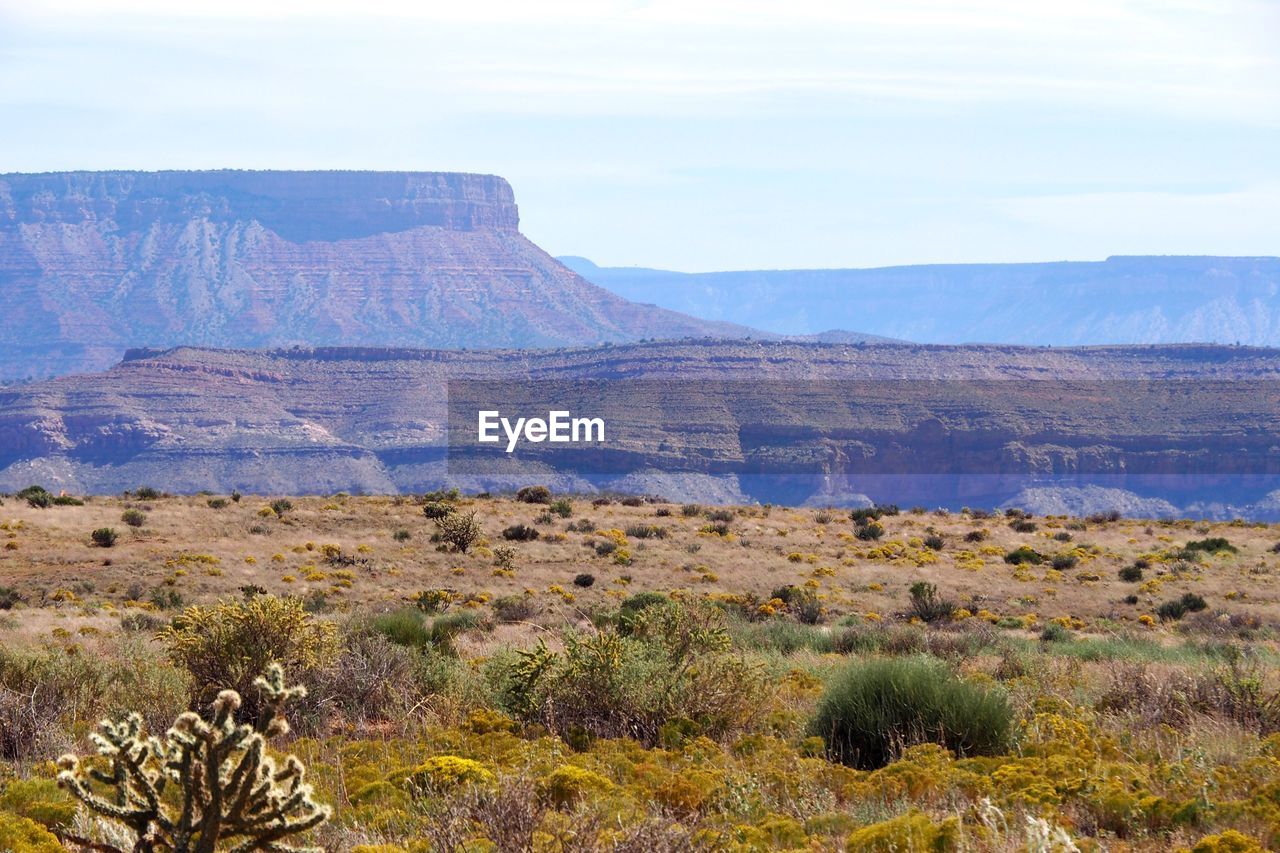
[(92, 263), (1122, 300)]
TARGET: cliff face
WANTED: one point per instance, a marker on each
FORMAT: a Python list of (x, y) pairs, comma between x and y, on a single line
[(92, 263), (780, 422)]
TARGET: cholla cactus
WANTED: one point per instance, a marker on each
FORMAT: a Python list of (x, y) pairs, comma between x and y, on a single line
[(231, 795)]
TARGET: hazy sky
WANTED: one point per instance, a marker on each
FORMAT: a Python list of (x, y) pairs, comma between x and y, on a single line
[(702, 135)]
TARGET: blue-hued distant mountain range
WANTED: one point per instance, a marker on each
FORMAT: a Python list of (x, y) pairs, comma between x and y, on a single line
[(1122, 300)]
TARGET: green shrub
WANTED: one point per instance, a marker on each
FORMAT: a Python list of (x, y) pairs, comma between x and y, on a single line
[(1062, 562), (281, 506), (227, 645), (36, 497), (520, 533), (584, 580), (562, 507), (104, 537), (437, 509), (40, 800), (23, 835), (934, 542), (217, 503), (8, 598), (927, 605), (534, 495), (515, 608), (146, 493), (401, 535), (690, 510), (134, 517), (1054, 633), (67, 500), (675, 665), (870, 531), (1130, 574), (404, 627), (873, 709), (459, 530), (1024, 554), (646, 531), (1212, 545)]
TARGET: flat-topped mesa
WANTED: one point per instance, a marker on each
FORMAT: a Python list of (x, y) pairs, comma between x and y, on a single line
[(94, 263), (299, 206)]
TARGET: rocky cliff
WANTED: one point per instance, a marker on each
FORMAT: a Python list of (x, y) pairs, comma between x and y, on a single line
[(92, 263), (768, 421)]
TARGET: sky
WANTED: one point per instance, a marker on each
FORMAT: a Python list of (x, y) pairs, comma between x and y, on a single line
[(700, 134)]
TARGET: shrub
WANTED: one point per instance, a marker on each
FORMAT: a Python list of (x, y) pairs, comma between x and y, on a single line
[(534, 495), (605, 547), (23, 835), (520, 533), (437, 509), (134, 517), (806, 607), (926, 604), (217, 503), (871, 710), (459, 530), (1062, 536), (975, 536), (224, 646), (691, 510), (934, 542), (8, 598), (562, 507), (1062, 562), (584, 580), (146, 493), (1103, 517), (515, 608), (433, 600), (1021, 525), (401, 535), (646, 531), (228, 786), (1193, 602), (36, 497), (504, 557), (675, 664), (1024, 554), (281, 505), (67, 500), (1212, 545), (104, 537), (404, 627), (870, 531), (1054, 633), (1130, 574)]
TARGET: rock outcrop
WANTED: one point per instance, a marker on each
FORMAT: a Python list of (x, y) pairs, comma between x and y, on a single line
[(769, 421), (92, 263)]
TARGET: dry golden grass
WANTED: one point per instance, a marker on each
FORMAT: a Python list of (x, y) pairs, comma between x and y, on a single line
[(200, 553)]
